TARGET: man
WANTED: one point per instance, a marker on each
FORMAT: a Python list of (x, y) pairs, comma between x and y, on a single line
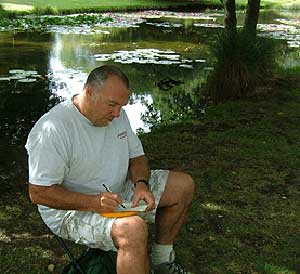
[(86, 144)]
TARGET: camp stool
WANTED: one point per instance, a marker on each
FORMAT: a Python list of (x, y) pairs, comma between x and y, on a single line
[(72, 258)]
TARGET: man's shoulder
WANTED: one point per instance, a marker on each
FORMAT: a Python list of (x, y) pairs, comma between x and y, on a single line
[(57, 117), (61, 109), (59, 112)]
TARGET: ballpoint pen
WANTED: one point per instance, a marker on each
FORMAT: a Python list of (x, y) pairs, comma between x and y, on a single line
[(108, 190)]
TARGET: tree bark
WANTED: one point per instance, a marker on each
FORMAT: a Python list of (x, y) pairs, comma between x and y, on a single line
[(230, 15), (252, 15)]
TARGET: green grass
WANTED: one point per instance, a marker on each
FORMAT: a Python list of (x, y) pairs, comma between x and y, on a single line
[(244, 157), (285, 4), (95, 5)]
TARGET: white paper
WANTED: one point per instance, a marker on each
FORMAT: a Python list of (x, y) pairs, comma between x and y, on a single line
[(128, 207)]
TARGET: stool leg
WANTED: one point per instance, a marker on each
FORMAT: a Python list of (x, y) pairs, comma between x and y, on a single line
[(70, 255)]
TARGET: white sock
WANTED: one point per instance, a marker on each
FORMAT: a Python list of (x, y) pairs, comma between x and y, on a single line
[(162, 254)]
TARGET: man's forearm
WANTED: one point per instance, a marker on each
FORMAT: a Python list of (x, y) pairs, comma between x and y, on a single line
[(139, 169), (58, 197)]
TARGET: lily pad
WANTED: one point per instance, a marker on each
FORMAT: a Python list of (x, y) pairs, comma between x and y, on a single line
[(16, 71), (186, 66), (17, 77), (200, 61), (141, 56), (27, 80), (30, 72), (4, 78)]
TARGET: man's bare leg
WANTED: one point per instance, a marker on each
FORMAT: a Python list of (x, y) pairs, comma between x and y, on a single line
[(130, 237), (173, 207)]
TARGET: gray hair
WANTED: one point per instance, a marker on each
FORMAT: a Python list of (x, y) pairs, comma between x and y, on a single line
[(99, 75)]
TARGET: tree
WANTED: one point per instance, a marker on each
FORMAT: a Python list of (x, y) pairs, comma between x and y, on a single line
[(243, 59), (251, 18), (252, 15), (229, 15)]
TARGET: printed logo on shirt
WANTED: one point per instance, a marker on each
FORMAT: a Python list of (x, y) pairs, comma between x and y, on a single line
[(122, 135)]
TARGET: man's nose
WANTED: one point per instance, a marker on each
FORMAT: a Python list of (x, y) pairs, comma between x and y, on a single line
[(116, 112)]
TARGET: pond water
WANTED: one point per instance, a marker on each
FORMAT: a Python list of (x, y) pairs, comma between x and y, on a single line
[(165, 54)]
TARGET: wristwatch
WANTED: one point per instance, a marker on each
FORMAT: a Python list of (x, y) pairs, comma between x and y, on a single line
[(141, 181)]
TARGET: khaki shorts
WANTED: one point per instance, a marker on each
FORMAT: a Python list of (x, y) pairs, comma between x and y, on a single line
[(93, 230)]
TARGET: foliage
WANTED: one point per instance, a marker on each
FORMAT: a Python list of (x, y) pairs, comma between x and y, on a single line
[(2, 11), (43, 22), (242, 63), (21, 105), (176, 100), (48, 10), (6, 15), (175, 106)]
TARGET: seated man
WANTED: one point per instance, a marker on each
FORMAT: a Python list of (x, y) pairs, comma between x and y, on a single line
[(84, 147)]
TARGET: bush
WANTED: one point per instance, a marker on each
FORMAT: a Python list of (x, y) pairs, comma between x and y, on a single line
[(3, 13), (243, 61), (44, 11)]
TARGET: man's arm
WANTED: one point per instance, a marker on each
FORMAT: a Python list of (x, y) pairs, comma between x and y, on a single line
[(58, 197), (139, 170)]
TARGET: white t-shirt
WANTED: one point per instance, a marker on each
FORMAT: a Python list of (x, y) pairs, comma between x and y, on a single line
[(64, 147)]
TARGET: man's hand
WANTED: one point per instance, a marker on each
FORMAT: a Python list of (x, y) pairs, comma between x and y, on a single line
[(142, 192), (108, 201)]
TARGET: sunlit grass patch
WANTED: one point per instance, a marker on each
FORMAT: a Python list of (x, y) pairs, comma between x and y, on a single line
[(273, 269), (90, 5), (16, 7)]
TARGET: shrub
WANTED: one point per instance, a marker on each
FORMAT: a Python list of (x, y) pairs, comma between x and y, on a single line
[(44, 11), (3, 13), (243, 61)]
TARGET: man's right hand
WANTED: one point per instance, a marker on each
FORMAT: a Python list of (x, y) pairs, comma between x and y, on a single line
[(108, 202), (58, 197)]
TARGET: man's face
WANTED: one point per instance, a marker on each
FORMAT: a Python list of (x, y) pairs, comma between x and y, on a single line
[(106, 103)]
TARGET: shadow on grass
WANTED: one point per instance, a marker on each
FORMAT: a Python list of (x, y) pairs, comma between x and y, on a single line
[(244, 157)]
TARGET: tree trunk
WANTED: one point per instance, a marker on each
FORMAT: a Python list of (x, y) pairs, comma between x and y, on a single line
[(252, 15), (230, 15)]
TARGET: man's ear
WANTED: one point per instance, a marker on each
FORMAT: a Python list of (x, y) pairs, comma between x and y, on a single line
[(88, 90)]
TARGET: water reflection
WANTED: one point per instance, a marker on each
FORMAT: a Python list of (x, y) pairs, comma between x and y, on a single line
[(155, 49), (66, 82)]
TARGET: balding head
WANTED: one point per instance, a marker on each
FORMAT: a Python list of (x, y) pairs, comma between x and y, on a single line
[(99, 75)]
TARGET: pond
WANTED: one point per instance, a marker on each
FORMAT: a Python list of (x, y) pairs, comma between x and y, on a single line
[(165, 54)]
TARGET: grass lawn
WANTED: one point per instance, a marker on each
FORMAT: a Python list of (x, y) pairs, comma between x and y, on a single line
[(81, 5), (91, 4), (288, 4), (244, 157)]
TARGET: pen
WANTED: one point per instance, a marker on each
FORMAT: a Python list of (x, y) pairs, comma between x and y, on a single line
[(108, 190)]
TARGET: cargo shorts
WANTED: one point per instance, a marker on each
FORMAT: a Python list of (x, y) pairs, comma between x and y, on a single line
[(93, 230)]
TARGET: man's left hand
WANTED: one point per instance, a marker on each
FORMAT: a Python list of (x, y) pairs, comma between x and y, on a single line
[(142, 192)]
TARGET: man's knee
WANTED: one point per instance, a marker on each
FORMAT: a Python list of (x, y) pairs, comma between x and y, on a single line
[(180, 189), (185, 183), (189, 184), (130, 231)]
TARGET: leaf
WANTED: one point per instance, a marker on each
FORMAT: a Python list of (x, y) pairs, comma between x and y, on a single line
[(51, 267)]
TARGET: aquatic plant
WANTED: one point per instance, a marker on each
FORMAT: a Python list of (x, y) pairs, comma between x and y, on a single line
[(43, 22)]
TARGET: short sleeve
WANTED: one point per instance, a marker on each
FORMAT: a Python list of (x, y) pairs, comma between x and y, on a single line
[(47, 154), (134, 143)]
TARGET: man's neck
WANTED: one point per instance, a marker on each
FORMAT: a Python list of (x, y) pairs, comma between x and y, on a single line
[(78, 103)]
